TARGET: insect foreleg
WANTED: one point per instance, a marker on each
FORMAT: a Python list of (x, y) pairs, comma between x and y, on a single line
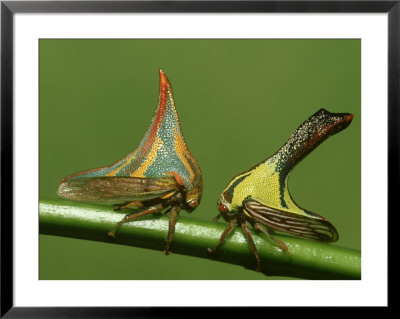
[(266, 232), (216, 218), (153, 209), (253, 248), (173, 216), (228, 230)]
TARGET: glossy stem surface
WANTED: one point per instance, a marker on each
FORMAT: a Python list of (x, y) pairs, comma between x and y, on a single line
[(309, 260)]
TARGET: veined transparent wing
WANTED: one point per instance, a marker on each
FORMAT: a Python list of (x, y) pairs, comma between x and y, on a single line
[(116, 189), (313, 227)]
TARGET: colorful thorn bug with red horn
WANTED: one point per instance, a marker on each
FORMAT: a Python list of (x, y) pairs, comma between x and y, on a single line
[(161, 173), (260, 195)]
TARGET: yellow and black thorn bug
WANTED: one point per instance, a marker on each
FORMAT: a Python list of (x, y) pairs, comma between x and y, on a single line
[(159, 174), (260, 195)]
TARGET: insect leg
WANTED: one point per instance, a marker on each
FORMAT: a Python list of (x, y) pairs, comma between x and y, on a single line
[(266, 232), (128, 204), (130, 217), (173, 216), (216, 217), (228, 230), (250, 241)]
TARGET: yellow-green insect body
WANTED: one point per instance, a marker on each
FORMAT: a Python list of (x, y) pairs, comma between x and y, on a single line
[(263, 183), (260, 195)]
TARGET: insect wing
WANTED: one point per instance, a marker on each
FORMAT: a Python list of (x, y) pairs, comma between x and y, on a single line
[(311, 227), (116, 189)]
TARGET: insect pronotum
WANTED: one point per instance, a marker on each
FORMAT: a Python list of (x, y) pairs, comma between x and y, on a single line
[(160, 173)]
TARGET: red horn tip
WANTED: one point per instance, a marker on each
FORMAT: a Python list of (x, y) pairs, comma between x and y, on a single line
[(163, 79)]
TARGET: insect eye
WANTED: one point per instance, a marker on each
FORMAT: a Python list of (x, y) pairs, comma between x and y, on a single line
[(222, 208), (193, 203)]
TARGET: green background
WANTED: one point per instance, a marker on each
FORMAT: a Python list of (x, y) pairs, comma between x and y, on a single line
[(238, 102)]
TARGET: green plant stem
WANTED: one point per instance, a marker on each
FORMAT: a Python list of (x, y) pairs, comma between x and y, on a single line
[(309, 260)]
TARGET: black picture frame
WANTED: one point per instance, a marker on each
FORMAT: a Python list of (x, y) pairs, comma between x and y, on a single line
[(9, 8)]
